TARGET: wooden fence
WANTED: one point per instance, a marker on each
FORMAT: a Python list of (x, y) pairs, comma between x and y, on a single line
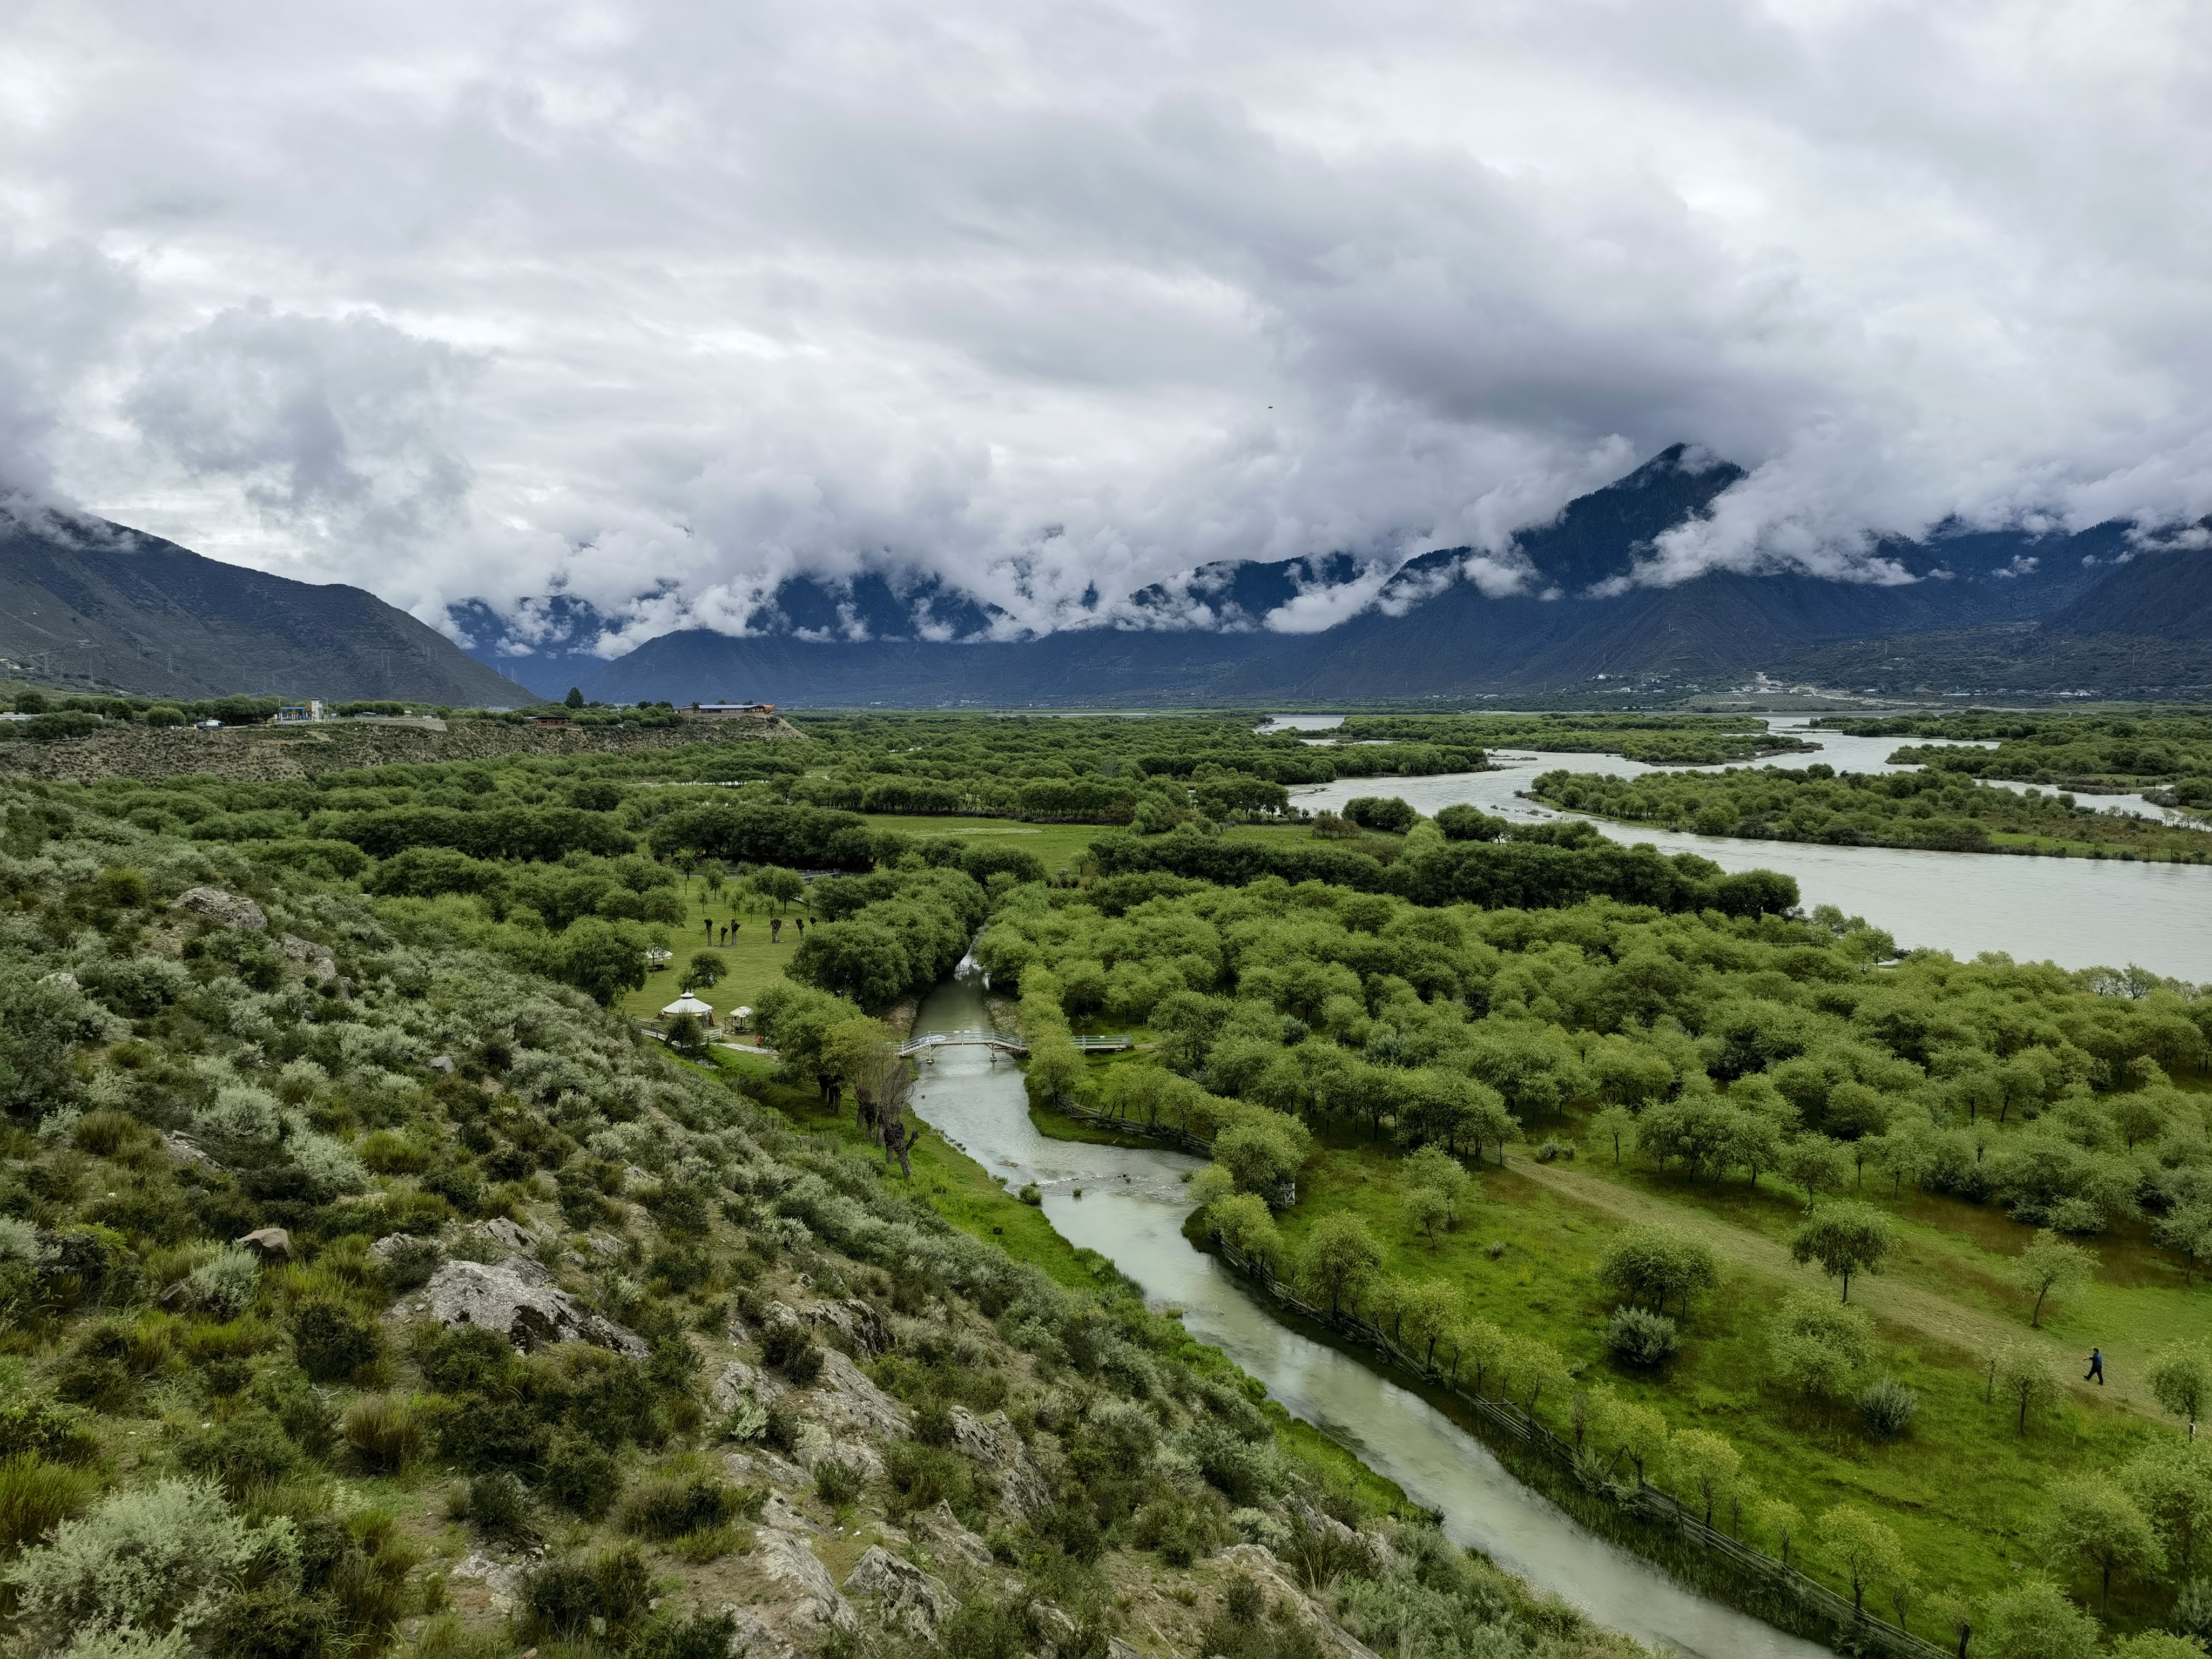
[(1821, 1611)]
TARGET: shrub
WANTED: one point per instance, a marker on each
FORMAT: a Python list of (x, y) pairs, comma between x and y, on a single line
[(836, 1483), (224, 1284), (562, 1598), (670, 1507), (922, 1476), (36, 1497), (271, 1621), (334, 1343), (499, 1508), (1885, 1407), (384, 1431), (250, 1453), (581, 1477), (787, 1348), (39, 1427), (1182, 1531), (2192, 1608), (1637, 1336), (408, 1264), (159, 1557)]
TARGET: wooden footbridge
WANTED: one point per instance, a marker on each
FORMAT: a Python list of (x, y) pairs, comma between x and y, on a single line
[(1000, 1043)]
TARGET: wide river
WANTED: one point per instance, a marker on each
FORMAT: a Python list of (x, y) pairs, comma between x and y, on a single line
[(2079, 912), (1128, 1204)]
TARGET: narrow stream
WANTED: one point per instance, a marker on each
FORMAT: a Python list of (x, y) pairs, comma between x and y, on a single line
[(1131, 1209)]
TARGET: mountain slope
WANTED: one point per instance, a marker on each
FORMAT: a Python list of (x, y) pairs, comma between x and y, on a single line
[(83, 601)]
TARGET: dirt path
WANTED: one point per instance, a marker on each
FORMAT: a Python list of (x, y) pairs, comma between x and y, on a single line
[(1906, 1305)]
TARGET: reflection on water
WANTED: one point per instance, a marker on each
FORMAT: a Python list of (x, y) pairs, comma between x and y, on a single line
[(1130, 1209)]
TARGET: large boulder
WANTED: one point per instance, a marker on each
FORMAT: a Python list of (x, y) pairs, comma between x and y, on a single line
[(907, 1598), (993, 1443), (845, 1398), (943, 1531), (315, 958), (853, 1320), (224, 910), (519, 1300)]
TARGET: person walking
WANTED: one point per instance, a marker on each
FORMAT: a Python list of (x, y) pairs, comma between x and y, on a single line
[(2096, 1366)]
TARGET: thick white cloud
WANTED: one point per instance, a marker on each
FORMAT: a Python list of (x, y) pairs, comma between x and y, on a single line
[(627, 299)]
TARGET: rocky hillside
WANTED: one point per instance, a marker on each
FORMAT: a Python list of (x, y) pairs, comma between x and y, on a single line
[(365, 1296)]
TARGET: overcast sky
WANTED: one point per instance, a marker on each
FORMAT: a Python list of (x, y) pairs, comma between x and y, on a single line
[(484, 299)]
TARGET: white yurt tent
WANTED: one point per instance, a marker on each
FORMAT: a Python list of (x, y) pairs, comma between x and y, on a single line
[(690, 1004)]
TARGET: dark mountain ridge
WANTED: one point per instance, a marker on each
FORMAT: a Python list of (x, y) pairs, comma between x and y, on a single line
[(85, 602), (1429, 633)]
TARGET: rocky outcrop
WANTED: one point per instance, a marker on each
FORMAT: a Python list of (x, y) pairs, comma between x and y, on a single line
[(1256, 1562), (860, 1325), (845, 1397), (994, 1444), (315, 958), (942, 1530), (906, 1598), (224, 910), (519, 1300), (806, 1606)]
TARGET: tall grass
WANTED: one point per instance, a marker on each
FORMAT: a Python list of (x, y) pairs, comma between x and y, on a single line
[(36, 1497), (384, 1431)]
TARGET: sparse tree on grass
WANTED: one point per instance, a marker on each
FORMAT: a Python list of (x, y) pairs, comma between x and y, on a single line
[(1438, 1170), (1428, 1310), (1863, 1549), (1657, 1265), (1340, 1261), (2181, 1381), (2021, 1374), (1846, 1240), (2037, 1621), (1815, 1164), (2170, 1482), (1705, 1466), (705, 969), (1426, 1211), (2186, 1229), (1616, 1125), (1781, 1522), (1638, 1433), (1243, 1221), (2093, 1524), (2050, 1267), (1535, 1367), (1954, 1609)]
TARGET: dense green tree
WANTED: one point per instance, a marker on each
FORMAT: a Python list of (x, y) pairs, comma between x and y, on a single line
[(1846, 1240), (2093, 1525), (1340, 1261)]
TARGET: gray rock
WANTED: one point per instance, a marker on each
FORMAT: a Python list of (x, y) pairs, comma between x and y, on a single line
[(315, 958), (224, 910), (443, 1063), (993, 1443), (384, 1247), (183, 1149), (1049, 1624), (1117, 1649), (845, 1397), (518, 1300), (853, 1320), (909, 1599), (736, 1378), (943, 1530), (513, 1235), (814, 1608), (269, 1244), (498, 1578)]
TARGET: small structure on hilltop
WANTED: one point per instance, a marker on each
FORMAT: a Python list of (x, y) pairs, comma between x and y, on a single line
[(299, 714), (728, 711)]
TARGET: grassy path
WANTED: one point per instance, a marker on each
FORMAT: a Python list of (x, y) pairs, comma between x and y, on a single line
[(1908, 1306)]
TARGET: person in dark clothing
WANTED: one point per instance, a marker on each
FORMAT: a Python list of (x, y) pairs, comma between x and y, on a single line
[(775, 930), (709, 924), (2096, 1366), (799, 922)]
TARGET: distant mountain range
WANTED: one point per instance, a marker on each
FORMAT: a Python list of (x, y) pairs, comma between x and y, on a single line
[(1985, 612), (2005, 601), (84, 603)]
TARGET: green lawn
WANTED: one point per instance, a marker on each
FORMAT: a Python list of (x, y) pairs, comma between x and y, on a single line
[(1962, 1489)]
